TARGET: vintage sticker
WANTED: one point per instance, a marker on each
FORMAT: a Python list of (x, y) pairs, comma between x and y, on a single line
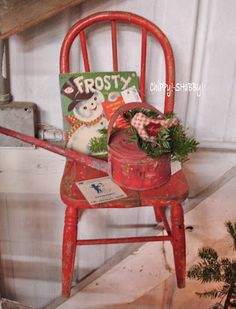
[(100, 190), (130, 95)]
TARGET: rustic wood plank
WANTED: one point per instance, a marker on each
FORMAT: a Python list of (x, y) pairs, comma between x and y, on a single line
[(18, 15), (9, 304), (34, 171)]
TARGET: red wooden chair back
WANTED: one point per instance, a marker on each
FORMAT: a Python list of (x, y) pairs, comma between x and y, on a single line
[(146, 27)]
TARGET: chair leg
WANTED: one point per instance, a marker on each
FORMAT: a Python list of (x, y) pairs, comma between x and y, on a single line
[(157, 214), (69, 248), (178, 243)]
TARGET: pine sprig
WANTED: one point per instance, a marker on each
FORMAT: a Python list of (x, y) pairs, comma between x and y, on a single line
[(214, 293), (128, 115), (231, 229), (211, 268), (99, 144), (208, 254), (154, 149), (181, 145), (217, 306), (171, 140)]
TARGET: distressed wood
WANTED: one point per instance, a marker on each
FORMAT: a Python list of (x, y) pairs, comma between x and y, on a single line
[(84, 51), (178, 243), (161, 217), (73, 172), (69, 248), (18, 15), (114, 46), (123, 240), (143, 63), (71, 195), (9, 304), (37, 167), (137, 20), (176, 188), (31, 251)]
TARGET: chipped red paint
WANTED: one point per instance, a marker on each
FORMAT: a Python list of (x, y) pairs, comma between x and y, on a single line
[(114, 46), (172, 193), (146, 26), (123, 240), (69, 247), (130, 166)]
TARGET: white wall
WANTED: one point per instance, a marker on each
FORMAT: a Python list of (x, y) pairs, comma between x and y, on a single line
[(202, 34)]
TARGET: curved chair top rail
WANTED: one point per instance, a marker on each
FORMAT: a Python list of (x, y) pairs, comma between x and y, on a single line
[(113, 17)]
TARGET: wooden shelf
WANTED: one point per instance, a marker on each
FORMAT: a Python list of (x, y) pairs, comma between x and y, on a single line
[(18, 15)]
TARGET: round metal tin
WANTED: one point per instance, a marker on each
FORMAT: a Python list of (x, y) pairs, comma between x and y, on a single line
[(132, 168)]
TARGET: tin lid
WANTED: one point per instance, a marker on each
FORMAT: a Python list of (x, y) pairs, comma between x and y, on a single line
[(121, 146)]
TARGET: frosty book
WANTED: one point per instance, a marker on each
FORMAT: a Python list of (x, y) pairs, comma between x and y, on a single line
[(89, 100)]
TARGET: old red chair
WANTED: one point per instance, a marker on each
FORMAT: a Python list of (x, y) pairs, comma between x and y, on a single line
[(171, 195)]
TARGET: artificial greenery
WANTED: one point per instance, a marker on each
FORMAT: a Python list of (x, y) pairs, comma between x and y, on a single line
[(99, 144), (171, 140), (212, 268), (156, 149)]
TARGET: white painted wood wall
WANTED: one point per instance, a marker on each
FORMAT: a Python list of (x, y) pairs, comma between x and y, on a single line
[(203, 37)]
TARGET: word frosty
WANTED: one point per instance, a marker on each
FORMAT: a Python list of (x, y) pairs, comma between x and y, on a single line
[(101, 83)]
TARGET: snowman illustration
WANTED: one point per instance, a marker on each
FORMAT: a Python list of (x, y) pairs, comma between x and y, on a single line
[(80, 139), (87, 118)]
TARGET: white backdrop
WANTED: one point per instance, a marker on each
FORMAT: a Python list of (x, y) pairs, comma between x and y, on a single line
[(203, 37)]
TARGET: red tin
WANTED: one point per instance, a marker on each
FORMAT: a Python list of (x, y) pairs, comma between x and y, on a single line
[(131, 167)]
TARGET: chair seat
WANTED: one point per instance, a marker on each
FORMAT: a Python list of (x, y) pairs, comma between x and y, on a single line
[(175, 189)]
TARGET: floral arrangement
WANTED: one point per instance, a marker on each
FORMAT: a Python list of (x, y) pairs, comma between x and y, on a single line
[(154, 134)]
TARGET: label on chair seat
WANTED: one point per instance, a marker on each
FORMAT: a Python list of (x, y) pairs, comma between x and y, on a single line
[(100, 190)]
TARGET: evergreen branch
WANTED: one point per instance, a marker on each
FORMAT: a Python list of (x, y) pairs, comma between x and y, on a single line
[(204, 272), (159, 147), (171, 140), (99, 144), (217, 306), (228, 270), (231, 229), (211, 268), (214, 293), (230, 301), (232, 304), (170, 115), (128, 115), (181, 145), (208, 269), (133, 135), (208, 253)]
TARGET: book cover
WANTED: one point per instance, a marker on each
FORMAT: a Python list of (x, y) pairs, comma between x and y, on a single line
[(89, 100)]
